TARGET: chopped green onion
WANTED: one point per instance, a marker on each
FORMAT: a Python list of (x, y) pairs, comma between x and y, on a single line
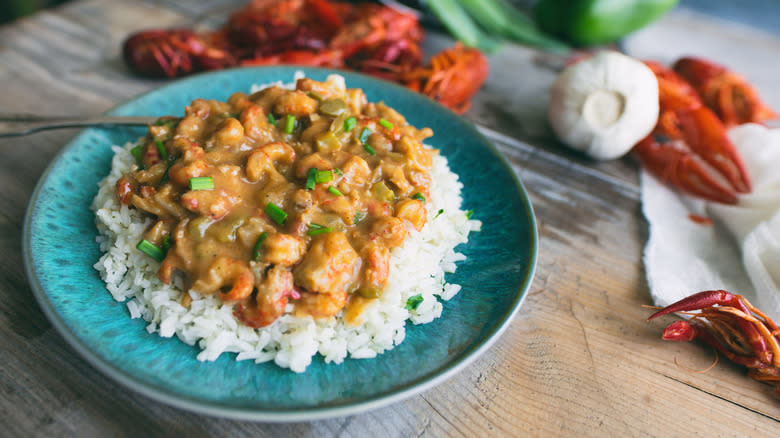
[(359, 215), (276, 213), (369, 149), (419, 196), (289, 124), (151, 250), (439, 213), (164, 177), (256, 249), (323, 176), (167, 242), (169, 123), (310, 178), (349, 124), (161, 149), (385, 123), (316, 229), (138, 153), (338, 171), (335, 191), (271, 119), (201, 183), (469, 213), (364, 134), (413, 302)]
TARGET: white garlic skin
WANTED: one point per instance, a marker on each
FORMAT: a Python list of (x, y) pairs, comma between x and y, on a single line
[(604, 105)]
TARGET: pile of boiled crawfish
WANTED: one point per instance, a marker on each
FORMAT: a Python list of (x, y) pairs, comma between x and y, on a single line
[(366, 37)]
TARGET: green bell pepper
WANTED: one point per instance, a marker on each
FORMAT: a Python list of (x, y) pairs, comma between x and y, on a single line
[(592, 22)]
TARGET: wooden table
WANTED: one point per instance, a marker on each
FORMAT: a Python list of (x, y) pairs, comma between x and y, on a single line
[(579, 357)]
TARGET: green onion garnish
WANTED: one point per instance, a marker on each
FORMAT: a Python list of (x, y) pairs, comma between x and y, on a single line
[(169, 123), (271, 119), (413, 302), (323, 176), (469, 213), (201, 183), (359, 215), (316, 229), (164, 178), (256, 249), (419, 196), (439, 213), (151, 250), (289, 124), (138, 154), (349, 124), (385, 123), (310, 178), (364, 134), (276, 213), (369, 149), (335, 191), (161, 149), (167, 242), (338, 171)]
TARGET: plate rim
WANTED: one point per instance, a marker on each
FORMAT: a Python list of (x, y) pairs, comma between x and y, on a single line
[(423, 383)]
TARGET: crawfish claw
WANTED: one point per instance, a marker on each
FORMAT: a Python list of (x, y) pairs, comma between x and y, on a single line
[(696, 302)]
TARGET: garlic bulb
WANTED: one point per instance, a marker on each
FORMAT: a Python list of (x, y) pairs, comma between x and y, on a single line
[(604, 105)]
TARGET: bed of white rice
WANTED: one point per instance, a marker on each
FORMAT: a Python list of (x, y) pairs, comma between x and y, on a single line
[(416, 268)]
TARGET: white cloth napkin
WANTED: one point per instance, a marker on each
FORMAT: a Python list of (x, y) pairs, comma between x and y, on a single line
[(740, 252)]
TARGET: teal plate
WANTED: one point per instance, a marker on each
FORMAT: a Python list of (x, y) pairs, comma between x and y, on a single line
[(60, 249)]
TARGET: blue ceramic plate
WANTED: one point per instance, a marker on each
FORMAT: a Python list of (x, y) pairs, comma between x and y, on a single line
[(60, 249)]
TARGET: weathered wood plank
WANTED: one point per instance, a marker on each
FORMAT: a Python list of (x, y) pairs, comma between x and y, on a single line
[(578, 359)]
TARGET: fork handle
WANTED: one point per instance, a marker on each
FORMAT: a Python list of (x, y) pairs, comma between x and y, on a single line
[(12, 125)]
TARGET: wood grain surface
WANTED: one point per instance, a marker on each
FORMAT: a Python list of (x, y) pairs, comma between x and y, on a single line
[(579, 358)]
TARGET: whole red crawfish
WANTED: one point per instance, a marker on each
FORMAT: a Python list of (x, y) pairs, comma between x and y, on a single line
[(689, 147), (365, 37), (731, 325), (728, 94)]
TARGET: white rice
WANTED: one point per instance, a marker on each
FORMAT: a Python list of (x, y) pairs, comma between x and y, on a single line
[(417, 267)]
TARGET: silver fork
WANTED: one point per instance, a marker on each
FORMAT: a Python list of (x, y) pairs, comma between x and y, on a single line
[(12, 125)]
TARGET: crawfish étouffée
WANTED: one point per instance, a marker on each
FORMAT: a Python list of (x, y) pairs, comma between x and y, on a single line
[(281, 196)]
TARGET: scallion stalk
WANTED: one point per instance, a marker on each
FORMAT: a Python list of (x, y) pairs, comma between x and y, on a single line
[(460, 25), (316, 229), (289, 124), (323, 176), (311, 178), (202, 183), (256, 249), (151, 250), (349, 124), (161, 150), (501, 18), (274, 212)]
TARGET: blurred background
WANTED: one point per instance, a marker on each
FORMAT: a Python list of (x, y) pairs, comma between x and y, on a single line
[(763, 14), (13, 9)]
